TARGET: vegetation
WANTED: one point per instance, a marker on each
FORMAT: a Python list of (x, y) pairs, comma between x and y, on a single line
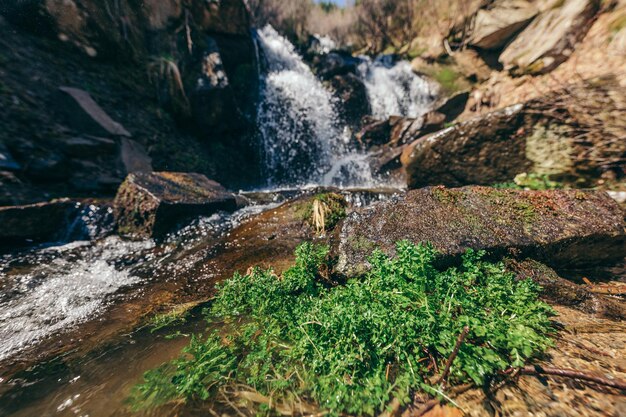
[(292, 343), (531, 181), (373, 25), (324, 211)]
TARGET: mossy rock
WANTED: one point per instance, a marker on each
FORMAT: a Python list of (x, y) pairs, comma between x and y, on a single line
[(560, 227)]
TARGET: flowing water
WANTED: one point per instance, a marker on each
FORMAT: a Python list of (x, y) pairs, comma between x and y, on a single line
[(60, 297), (303, 139)]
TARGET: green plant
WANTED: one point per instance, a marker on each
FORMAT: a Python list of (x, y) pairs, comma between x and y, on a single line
[(291, 342), (531, 181)]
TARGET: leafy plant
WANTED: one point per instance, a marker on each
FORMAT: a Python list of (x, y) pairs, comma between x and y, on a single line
[(531, 181), (350, 349)]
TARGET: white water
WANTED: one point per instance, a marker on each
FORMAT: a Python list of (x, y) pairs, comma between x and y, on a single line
[(393, 89), (67, 285), (302, 139), (296, 117)]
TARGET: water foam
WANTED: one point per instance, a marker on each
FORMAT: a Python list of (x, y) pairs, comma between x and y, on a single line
[(393, 89), (69, 285)]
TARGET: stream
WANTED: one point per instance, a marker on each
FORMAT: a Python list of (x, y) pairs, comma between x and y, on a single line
[(78, 309)]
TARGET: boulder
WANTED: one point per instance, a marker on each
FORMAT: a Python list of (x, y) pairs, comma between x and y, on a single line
[(335, 63), (496, 24), (352, 92), (561, 228), (484, 150), (550, 39), (85, 115), (151, 205), (572, 135), (35, 223)]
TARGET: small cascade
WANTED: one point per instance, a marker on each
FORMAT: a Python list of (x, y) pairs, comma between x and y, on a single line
[(394, 89), (302, 139), (296, 116)]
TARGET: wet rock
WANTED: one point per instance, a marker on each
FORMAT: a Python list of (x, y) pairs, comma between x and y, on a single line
[(85, 115), (496, 24), (34, 223), (335, 63), (550, 39), (150, 205), (352, 92), (557, 227), (398, 130)]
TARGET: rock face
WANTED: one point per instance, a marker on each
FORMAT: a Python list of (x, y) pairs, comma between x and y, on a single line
[(569, 135), (128, 28), (150, 205), (480, 151), (84, 114), (335, 63), (561, 228), (212, 99), (353, 95), (495, 25), (35, 223), (7, 162), (550, 39)]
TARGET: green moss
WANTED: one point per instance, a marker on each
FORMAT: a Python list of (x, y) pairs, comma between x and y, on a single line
[(448, 78), (351, 349), (361, 244), (447, 196)]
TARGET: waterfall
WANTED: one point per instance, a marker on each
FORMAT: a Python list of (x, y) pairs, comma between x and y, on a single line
[(302, 139), (296, 117), (393, 89)]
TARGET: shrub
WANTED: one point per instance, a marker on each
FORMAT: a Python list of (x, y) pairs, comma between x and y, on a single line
[(352, 348)]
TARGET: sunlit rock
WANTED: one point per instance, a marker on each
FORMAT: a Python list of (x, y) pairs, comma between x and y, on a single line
[(152, 204), (551, 37), (561, 228)]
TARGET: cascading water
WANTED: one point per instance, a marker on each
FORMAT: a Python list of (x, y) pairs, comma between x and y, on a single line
[(296, 116), (393, 89), (302, 138)]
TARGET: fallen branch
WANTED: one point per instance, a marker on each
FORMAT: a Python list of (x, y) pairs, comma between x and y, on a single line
[(426, 408), (570, 373), (455, 352)]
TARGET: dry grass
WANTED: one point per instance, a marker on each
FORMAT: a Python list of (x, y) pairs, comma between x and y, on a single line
[(166, 77), (594, 111)]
